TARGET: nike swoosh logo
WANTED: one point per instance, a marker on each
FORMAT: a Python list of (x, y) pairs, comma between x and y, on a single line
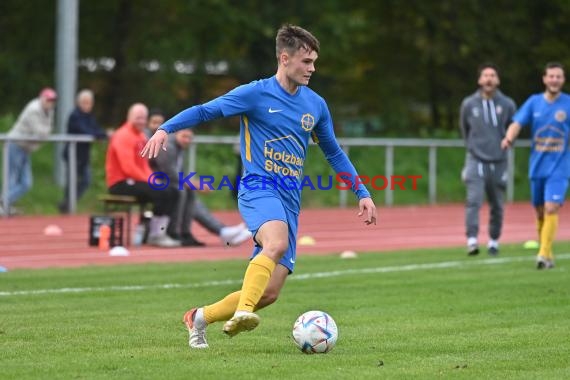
[(292, 261), (271, 110)]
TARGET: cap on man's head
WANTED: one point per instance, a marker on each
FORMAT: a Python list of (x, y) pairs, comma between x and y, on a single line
[(48, 93)]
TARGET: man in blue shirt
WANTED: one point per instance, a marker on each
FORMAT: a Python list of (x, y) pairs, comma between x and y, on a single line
[(549, 164), (278, 115)]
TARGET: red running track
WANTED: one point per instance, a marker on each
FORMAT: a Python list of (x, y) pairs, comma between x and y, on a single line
[(24, 244)]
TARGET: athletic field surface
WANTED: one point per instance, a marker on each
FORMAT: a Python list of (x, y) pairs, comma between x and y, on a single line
[(412, 304)]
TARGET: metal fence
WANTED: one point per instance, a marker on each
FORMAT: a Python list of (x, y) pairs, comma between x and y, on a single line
[(72, 161), (389, 144)]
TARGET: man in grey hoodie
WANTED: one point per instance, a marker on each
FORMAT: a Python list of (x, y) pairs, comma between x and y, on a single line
[(484, 117)]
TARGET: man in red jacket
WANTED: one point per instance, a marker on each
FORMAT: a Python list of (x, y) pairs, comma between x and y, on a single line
[(127, 173)]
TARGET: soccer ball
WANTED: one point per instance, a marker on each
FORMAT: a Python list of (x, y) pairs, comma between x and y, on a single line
[(315, 332)]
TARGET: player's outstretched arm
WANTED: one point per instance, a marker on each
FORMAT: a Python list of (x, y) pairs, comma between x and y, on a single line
[(368, 209), (153, 145)]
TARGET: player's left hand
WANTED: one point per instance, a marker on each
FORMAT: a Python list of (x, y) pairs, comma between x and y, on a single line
[(368, 206)]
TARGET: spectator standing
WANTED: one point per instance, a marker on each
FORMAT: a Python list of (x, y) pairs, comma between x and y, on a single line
[(34, 122), (81, 121), (484, 117)]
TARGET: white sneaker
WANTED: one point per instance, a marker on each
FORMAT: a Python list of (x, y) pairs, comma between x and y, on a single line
[(241, 321), (197, 334), (226, 233), (472, 246), (235, 235), (544, 263), (163, 241), (241, 237)]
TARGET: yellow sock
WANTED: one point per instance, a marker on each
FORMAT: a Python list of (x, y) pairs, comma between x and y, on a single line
[(222, 310), (539, 224), (547, 235), (255, 281)]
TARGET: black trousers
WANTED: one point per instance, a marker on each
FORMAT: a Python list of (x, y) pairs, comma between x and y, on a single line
[(189, 208), (164, 201)]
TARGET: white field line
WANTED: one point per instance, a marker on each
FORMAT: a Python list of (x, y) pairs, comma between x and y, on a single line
[(300, 277)]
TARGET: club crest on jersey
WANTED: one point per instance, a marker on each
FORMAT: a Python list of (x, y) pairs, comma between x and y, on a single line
[(560, 116), (307, 122)]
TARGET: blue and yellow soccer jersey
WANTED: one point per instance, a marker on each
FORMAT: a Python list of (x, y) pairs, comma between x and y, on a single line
[(550, 128), (275, 131)]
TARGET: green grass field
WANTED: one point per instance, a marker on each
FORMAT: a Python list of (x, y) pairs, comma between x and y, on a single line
[(410, 314)]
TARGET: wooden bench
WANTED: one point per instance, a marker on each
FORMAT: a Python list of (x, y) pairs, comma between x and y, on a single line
[(123, 203)]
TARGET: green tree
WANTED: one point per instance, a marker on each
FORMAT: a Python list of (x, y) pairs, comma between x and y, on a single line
[(405, 64)]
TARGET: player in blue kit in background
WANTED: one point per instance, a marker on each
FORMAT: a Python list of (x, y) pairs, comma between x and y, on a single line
[(547, 114), (278, 115)]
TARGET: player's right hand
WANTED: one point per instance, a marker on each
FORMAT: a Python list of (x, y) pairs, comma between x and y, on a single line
[(506, 143), (368, 206), (153, 145)]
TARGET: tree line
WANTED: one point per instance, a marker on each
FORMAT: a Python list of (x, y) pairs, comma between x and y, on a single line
[(396, 68)]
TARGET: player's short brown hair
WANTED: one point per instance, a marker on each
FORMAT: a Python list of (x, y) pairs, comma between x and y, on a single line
[(293, 38), (487, 65), (553, 65)]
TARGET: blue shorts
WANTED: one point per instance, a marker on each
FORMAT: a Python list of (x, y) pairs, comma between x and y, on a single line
[(261, 206), (548, 190)]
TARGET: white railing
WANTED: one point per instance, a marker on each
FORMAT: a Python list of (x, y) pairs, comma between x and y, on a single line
[(72, 160), (389, 144)]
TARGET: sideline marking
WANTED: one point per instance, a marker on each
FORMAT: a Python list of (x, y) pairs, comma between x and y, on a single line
[(299, 277)]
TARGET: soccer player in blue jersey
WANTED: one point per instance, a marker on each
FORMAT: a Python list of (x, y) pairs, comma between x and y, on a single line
[(278, 115), (547, 114)]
